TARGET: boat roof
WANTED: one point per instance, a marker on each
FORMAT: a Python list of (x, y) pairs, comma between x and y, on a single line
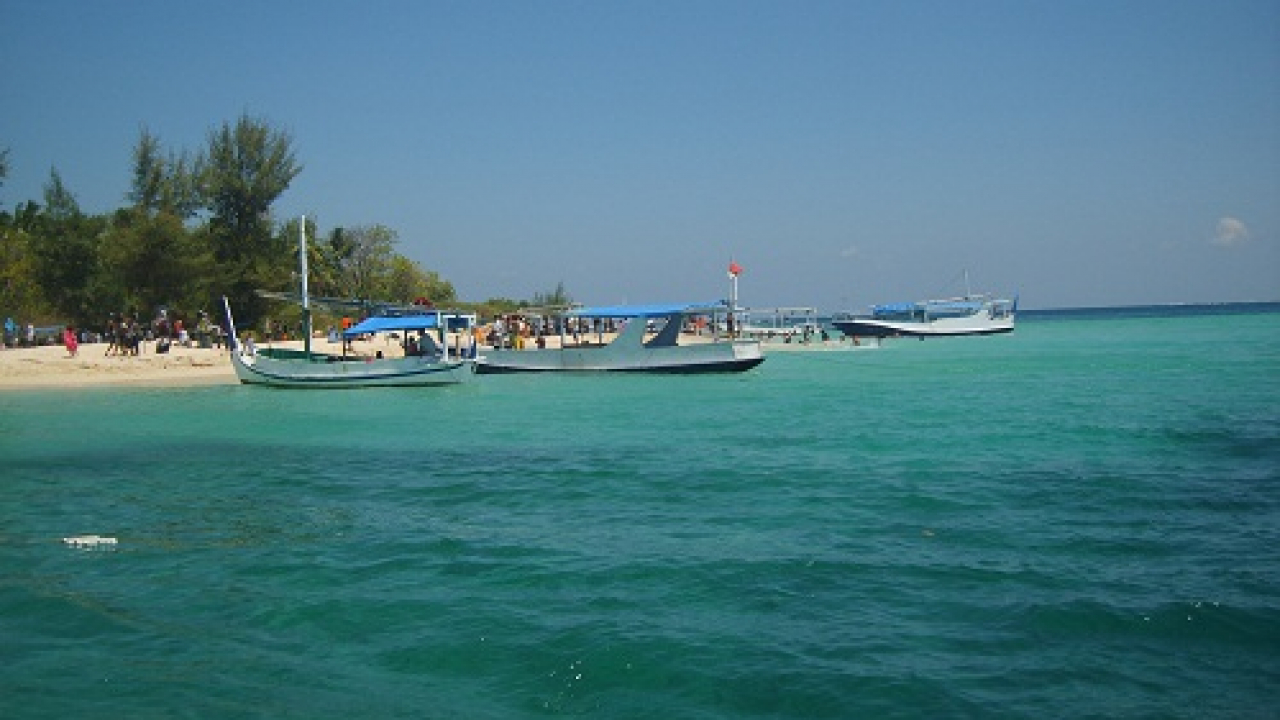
[(630, 311), (382, 323), (935, 305)]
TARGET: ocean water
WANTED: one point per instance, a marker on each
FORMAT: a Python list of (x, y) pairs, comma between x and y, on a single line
[(1081, 519)]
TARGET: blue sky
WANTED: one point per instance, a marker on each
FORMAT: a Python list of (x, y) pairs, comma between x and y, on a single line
[(844, 153)]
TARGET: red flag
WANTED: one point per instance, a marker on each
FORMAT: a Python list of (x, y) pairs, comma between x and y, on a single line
[(734, 269)]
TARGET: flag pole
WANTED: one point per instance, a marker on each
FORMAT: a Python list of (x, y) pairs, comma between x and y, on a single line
[(734, 271), (733, 309)]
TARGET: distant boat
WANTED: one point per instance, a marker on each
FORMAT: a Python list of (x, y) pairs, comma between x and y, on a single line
[(970, 314), (667, 350)]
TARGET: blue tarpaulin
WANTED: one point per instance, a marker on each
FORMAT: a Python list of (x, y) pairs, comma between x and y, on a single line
[(630, 311), (391, 324)]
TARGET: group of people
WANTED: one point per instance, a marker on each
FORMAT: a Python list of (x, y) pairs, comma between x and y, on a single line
[(124, 336), (16, 335), (28, 336), (517, 332), (419, 346)]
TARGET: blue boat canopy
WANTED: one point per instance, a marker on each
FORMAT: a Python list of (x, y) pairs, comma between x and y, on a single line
[(893, 309), (631, 311), (933, 307), (379, 324)]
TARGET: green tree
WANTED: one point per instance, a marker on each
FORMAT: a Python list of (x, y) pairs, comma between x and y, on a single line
[(59, 203), (407, 281), (20, 295), (326, 257), (247, 167), (150, 258), (148, 173), (181, 194), (364, 261), (556, 298), (163, 184), (4, 166), (496, 306), (153, 261), (16, 289), (64, 253)]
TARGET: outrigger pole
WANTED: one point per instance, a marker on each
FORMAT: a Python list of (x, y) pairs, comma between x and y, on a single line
[(233, 339)]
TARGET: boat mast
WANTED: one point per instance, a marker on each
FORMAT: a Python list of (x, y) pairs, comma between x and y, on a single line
[(733, 307), (306, 299)]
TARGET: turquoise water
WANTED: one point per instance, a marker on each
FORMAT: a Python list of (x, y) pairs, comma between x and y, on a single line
[(1078, 520)]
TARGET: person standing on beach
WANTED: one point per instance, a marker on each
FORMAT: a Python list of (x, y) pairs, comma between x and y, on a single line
[(113, 335), (69, 340)]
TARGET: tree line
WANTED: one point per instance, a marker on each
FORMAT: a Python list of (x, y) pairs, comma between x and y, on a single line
[(195, 227)]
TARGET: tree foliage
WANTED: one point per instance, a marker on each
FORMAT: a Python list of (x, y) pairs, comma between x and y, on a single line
[(247, 167), (365, 260), (148, 173), (164, 184), (64, 252), (556, 298), (196, 227), (407, 281), (20, 294), (4, 166), (153, 261)]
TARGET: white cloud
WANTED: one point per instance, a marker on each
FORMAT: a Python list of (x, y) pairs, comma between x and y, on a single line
[(851, 251), (1230, 232)]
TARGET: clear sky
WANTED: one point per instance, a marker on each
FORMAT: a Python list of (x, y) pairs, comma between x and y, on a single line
[(844, 153)]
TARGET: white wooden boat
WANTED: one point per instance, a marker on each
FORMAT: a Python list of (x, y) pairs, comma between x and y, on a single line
[(430, 365)]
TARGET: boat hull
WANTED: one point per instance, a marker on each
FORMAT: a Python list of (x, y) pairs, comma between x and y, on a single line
[(983, 314), (867, 327), (718, 357), (395, 372)]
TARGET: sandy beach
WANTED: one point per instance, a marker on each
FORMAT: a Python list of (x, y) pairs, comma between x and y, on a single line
[(51, 367)]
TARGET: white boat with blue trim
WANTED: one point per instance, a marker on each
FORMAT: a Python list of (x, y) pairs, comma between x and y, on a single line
[(677, 338), (966, 315)]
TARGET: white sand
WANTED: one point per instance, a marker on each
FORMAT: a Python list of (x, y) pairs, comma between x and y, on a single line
[(52, 367)]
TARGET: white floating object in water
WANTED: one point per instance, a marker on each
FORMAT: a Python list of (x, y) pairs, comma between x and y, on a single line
[(89, 541)]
